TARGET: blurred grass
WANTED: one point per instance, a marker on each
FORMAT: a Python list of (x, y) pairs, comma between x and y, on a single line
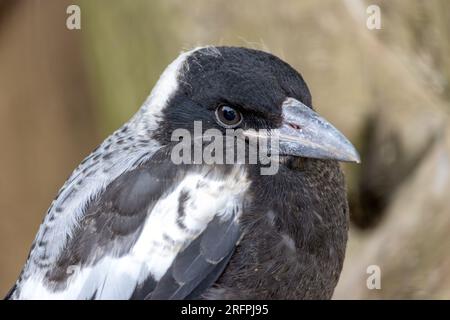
[(127, 47)]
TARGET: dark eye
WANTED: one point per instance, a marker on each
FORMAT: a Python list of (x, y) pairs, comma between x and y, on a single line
[(228, 116)]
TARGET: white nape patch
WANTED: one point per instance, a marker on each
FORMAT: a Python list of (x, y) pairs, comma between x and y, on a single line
[(209, 194), (166, 86), (95, 173)]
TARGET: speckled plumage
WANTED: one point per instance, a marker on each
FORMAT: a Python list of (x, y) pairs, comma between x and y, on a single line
[(136, 226)]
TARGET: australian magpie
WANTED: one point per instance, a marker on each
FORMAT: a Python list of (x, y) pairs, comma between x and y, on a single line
[(133, 222)]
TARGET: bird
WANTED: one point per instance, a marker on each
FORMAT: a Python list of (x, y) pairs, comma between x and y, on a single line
[(130, 223)]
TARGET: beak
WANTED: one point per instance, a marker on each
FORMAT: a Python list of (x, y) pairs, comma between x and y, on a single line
[(304, 133)]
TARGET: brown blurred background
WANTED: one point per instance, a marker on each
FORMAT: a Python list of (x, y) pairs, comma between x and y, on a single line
[(63, 91)]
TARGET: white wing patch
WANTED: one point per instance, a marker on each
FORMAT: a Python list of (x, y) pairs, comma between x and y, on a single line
[(166, 232)]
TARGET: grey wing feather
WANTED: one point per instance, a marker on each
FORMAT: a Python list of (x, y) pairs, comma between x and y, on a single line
[(201, 263)]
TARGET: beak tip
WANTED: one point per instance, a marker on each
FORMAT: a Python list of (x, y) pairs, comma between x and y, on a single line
[(356, 160), (352, 155)]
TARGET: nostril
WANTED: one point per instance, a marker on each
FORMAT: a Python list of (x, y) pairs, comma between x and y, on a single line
[(294, 126)]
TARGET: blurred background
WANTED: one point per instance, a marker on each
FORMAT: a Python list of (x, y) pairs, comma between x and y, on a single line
[(63, 91)]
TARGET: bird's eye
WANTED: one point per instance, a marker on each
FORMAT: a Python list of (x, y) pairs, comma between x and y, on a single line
[(228, 117)]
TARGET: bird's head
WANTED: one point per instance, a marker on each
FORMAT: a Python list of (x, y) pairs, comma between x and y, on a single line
[(239, 88)]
